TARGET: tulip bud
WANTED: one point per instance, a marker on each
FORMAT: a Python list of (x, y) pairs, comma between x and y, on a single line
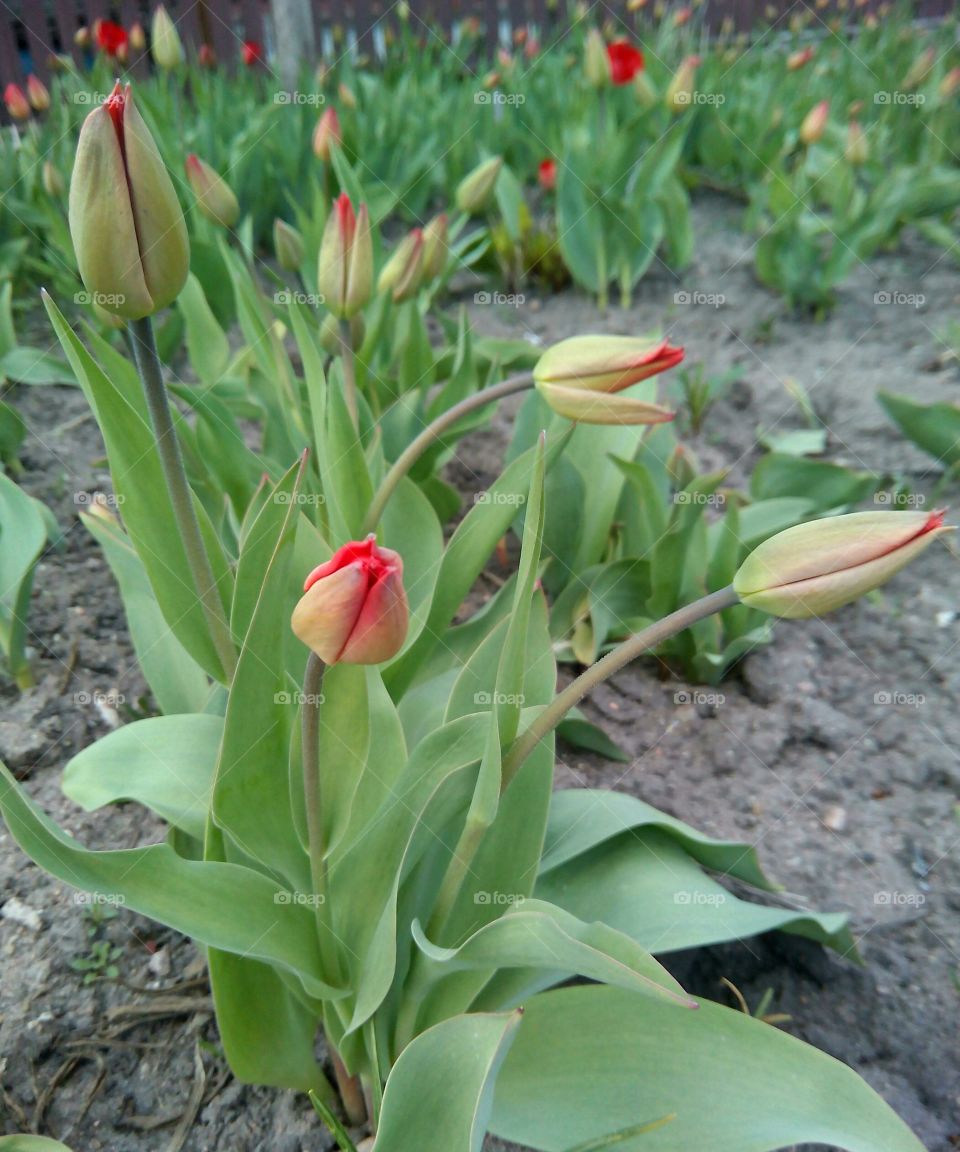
[(326, 134), (580, 378), (37, 94), (345, 275), (435, 247), (815, 567), (347, 97), (679, 94), (251, 52), (814, 123), (165, 42), (547, 175), (206, 56), (288, 245), (215, 198), (331, 338), (950, 83), (403, 272), (857, 150), (127, 227), (644, 89), (16, 102), (476, 188), (81, 37), (799, 59), (919, 70), (354, 607), (53, 182), (596, 64), (138, 38)]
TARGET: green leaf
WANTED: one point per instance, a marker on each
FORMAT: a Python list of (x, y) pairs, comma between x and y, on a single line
[(31, 366), (592, 1062), (23, 534), (31, 1144), (166, 763), (933, 427), (207, 344), (439, 1093), (827, 485)]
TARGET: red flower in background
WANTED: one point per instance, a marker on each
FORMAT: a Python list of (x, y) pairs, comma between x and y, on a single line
[(625, 61), (252, 52), (547, 174), (110, 38)]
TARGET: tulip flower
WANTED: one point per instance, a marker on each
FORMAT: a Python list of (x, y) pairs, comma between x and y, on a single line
[(165, 42), (580, 378), (288, 245), (127, 227), (814, 123), (354, 607), (815, 567), (799, 59), (110, 38), (596, 63), (476, 188), (81, 37), (435, 247), (206, 56), (252, 53), (37, 94), (682, 16), (625, 61), (949, 84), (17, 104), (138, 38), (215, 197), (857, 150), (326, 134), (547, 175), (919, 70), (345, 275), (52, 180), (403, 272), (347, 97)]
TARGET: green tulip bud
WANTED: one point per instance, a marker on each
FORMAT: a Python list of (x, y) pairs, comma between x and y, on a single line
[(288, 245), (403, 272), (345, 273), (476, 188), (215, 198), (165, 43), (125, 219)]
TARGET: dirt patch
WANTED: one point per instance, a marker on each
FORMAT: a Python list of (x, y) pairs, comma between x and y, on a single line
[(834, 749)]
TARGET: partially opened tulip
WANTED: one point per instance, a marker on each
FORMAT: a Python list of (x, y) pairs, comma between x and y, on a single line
[(166, 46), (581, 378), (814, 568), (345, 273), (215, 198), (125, 219), (403, 272), (354, 607), (37, 94)]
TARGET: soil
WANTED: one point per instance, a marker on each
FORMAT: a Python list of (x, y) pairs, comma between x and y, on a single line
[(834, 749)]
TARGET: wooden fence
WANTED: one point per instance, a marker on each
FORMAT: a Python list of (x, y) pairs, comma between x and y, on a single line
[(32, 31)]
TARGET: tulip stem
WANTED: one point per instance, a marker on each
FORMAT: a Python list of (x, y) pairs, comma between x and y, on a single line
[(181, 496), (348, 361), (432, 432), (606, 667)]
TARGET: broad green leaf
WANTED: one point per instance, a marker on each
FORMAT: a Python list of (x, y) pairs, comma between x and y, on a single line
[(23, 534), (439, 1093), (207, 344), (827, 485), (166, 763), (933, 427), (32, 366), (594, 1062), (31, 1144)]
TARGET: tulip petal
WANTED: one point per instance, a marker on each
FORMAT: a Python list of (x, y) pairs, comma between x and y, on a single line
[(591, 407), (328, 611), (381, 627)]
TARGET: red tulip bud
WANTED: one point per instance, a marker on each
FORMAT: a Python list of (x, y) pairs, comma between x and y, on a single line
[(345, 267), (354, 607), (326, 134), (16, 102)]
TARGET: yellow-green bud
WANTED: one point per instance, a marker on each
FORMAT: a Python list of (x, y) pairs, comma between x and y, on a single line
[(215, 198), (288, 245), (476, 188), (345, 272), (403, 272)]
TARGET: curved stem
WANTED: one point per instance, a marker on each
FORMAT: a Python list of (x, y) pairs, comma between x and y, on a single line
[(181, 497), (433, 431), (629, 650)]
